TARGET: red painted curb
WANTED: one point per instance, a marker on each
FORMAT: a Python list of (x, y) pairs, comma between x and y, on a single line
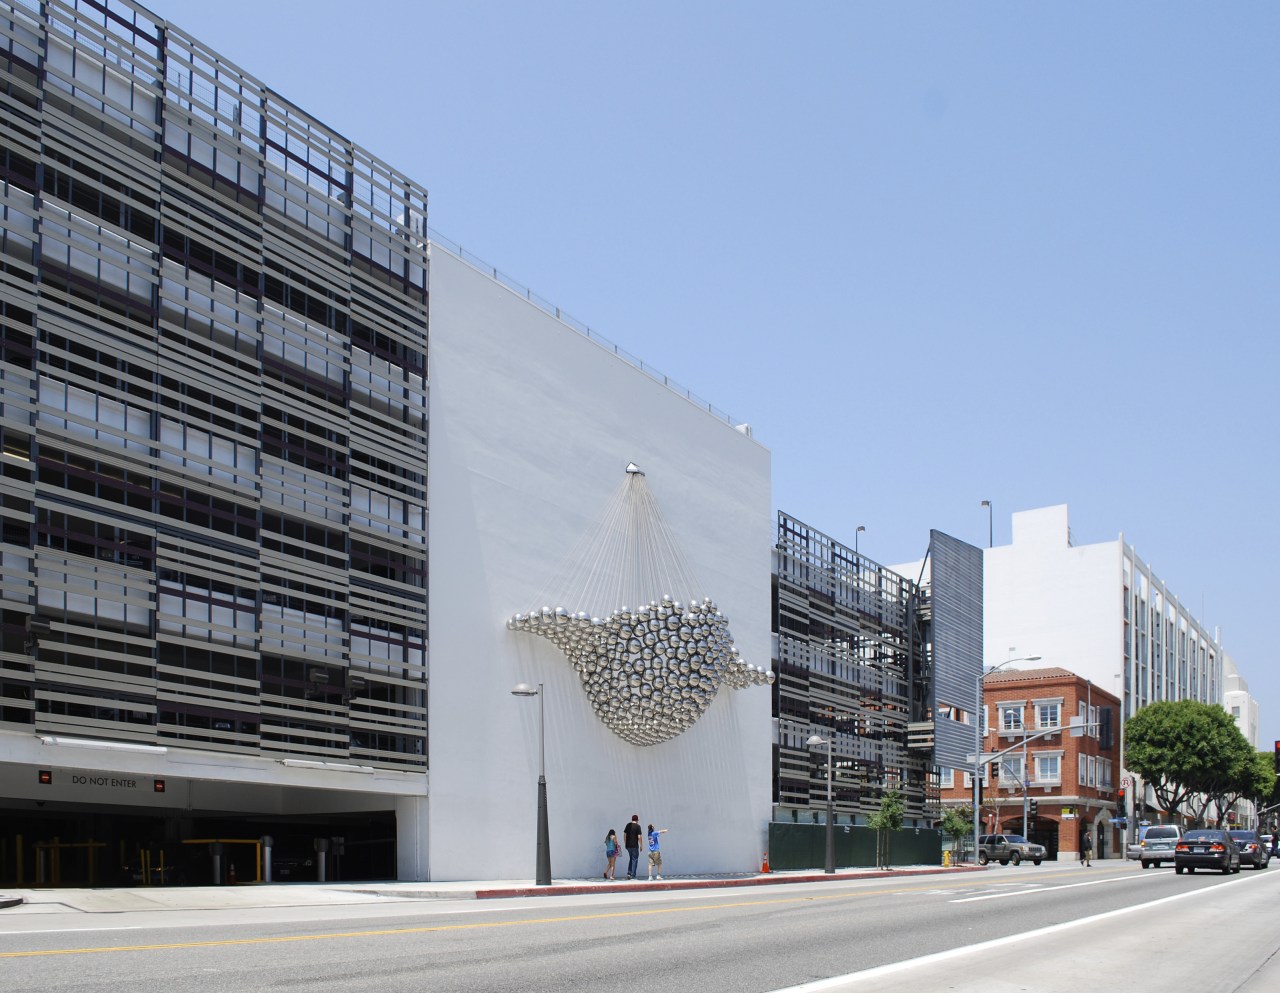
[(642, 885)]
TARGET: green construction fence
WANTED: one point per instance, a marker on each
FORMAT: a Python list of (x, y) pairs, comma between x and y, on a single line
[(804, 846)]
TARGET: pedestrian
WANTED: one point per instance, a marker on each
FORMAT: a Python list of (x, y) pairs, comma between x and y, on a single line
[(655, 852), (1086, 849), (631, 839), (611, 850)]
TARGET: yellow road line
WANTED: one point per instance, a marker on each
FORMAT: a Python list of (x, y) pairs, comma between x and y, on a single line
[(741, 904)]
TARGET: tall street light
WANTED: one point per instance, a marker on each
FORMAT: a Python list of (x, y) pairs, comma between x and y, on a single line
[(830, 866), (860, 529), (977, 740), (543, 874), (990, 523)]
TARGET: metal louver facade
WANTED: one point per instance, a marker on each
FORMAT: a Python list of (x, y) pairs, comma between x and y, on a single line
[(213, 361), (957, 644)]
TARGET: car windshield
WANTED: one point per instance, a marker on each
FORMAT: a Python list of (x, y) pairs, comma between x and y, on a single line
[(1162, 832), (1016, 839)]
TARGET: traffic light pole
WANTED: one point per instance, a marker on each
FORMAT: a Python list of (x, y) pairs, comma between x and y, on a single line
[(1026, 790), (1076, 727)]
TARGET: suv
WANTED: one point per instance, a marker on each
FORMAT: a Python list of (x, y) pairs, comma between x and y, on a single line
[(1006, 848), (1157, 844)]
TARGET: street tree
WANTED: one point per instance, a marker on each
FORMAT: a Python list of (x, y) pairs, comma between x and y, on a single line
[(885, 821), (1245, 782), (957, 824), (1186, 750)]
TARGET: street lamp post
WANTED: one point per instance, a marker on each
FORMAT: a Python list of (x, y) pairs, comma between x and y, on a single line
[(543, 874), (830, 865), (990, 523), (977, 741), (857, 531)]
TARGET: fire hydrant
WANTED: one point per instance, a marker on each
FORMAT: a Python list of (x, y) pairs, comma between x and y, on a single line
[(946, 859)]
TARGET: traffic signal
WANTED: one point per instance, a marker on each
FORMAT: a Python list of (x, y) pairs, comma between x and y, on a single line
[(1032, 806), (1122, 802), (1278, 756)]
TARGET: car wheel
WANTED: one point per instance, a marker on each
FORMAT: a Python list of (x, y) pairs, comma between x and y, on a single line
[(1004, 861), (1191, 869), (1015, 858), (1035, 861), (982, 858), (1146, 864), (1178, 869)]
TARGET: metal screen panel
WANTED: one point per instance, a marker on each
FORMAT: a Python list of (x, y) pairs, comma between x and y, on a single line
[(957, 644)]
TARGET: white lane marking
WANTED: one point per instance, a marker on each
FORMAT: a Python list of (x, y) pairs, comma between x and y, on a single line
[(839, 982), (1047, 889)]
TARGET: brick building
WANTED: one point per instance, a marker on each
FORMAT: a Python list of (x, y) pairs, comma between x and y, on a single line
[(1073, 781)]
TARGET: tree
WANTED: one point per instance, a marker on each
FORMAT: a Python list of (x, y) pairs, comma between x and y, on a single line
[(1270, 794), (1260, 782), (1185, 748), (957, 824), (885, 821)]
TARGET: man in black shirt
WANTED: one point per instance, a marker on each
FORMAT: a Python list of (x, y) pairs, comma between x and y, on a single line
[(631, 839)]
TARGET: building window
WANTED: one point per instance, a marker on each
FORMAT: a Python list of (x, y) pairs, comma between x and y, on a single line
[(947, 779), (1011, 718), (1083, 776), (986, 777), (1048, 769), (1048, 715), (1011, 770)]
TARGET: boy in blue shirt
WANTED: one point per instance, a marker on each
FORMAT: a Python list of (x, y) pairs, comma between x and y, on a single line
[(655, 852)]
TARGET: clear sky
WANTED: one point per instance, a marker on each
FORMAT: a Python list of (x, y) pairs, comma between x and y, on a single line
[(933, 252)]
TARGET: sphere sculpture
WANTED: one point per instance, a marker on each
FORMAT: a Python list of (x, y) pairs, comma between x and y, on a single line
[(651, 672)]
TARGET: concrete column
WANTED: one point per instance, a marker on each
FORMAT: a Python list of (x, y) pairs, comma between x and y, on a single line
[(411, 839)]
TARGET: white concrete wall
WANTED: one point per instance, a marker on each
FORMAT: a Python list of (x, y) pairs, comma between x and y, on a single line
[(532, 426), (1042, 596)]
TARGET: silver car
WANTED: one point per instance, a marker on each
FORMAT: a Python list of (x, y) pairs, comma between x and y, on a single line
[(1157, 844)]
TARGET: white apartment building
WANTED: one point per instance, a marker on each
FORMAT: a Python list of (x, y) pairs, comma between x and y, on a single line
[(1099, 611), (1239, 703)]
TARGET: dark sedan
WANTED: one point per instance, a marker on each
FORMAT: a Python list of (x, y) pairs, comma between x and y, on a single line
[(1206, 848), (1253, 850)]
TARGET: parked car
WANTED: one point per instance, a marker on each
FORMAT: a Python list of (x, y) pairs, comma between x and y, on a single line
[(1006, 848), (1253, 849), (1157, 844), (1206, 848)]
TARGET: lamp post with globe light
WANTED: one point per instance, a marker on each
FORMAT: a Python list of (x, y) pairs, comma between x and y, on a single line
[(830, 864), (543, 874)]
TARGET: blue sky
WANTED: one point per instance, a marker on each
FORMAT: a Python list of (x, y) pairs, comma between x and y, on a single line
[(934, 253)]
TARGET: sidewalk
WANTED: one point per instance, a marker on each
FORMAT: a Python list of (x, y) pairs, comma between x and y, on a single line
[(152, 898)]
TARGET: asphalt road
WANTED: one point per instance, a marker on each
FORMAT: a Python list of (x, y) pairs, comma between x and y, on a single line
[(1023, 928)]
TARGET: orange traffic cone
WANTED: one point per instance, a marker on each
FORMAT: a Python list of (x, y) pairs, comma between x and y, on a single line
[(764, 865)]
